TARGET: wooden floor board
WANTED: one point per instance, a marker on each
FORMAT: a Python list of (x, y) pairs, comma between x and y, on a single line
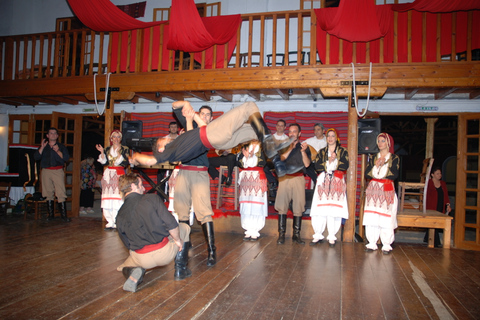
[(68, 271)]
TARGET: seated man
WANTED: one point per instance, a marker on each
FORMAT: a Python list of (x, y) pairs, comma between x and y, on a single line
[(241, 124), (150, 233), (226, 158)]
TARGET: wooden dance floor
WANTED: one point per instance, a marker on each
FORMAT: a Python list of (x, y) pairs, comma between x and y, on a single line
[(68, 271)]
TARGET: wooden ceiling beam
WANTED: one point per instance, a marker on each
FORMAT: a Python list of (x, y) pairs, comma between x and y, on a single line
[(10, 103), (283, 93), (474, 94), (409, 93), (199, 95), (27, 102), (361, 91), (46, 100), (417, 75), (65, 100), (116, 95), (442, 93), (155, 97), (174, 95), (255, 94), (225, 94)]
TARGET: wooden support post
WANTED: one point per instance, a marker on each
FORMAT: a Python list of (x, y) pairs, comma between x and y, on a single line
[(349, 228), (430, 137)]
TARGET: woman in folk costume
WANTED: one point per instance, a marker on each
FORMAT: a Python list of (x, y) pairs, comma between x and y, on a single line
[(115, 158), (380, 214), (253, 190), (329, 204)]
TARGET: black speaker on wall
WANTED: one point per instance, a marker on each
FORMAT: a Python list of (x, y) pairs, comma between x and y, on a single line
[(131, 130), (368, 130)]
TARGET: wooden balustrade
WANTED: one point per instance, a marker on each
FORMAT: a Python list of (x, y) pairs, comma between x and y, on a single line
[(77, 53)]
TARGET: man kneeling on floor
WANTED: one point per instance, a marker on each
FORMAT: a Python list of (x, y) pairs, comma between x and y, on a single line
[(150, 232)]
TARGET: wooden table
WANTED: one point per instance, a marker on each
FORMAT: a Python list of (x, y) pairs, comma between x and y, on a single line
[(432, 220)]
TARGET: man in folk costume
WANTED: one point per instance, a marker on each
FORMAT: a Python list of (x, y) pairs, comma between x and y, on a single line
[(53, 155), (192, 184), (329, 205), (291, 186), (380, 214), (253, 190), (150, 233), (115, 158)]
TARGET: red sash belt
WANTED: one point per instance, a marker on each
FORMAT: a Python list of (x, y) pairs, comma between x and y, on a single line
[(339, 174), (387, 184), (55, 168), (152, 247), (120, 170), (193, 168), (203, 137)]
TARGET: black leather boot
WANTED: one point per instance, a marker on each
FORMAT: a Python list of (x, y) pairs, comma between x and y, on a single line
[(50, 210), (181, 261), (210, 238), (280, 168), (187, 222), (62, 207), (282, 228), (264, 135), (297, 227)]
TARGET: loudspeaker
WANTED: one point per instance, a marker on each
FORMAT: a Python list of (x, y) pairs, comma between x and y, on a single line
[(368, 130), (131, 130)]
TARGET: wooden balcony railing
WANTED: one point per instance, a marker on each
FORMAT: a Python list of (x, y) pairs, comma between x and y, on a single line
[(262, 41)]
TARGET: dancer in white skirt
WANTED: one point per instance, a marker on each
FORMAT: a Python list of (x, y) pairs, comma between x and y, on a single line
[(329, 204), (253, 190), (115, 158), (380, 215)]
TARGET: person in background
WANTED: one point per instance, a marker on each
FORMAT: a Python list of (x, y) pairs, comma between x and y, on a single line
[(172, 130), (437, 199), (150, 233), (280, 136), (329, 205), (53, 155), (291, 186), (88, 181), (380, 214), (315, 143), (253, 190), (115, 158)]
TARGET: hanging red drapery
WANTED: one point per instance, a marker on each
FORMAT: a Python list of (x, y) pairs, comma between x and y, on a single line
[(384, 14), (438, 6), (353, 20), (102, 15), (186, 31), (190, 33)]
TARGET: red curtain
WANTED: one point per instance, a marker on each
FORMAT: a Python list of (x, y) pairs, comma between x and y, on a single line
[(439, 6), (384, 15), (353, 20), (102, 15)]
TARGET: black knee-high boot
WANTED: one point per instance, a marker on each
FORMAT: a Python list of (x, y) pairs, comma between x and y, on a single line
[(62, 206), (187, 222), (181, 261), (264, 135), (50, 210), (297, 227), (210, 238), (282, 228)]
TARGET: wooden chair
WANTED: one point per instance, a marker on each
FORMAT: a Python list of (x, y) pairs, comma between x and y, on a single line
[(416, 189), (5, 195), (220, 189)]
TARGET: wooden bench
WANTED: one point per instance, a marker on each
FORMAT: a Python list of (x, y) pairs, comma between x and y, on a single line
[(432, 220)]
